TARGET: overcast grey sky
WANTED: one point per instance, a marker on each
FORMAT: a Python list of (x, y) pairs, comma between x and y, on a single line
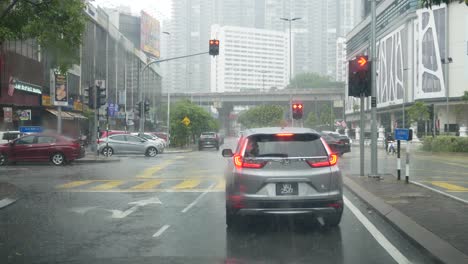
[(156, 7)]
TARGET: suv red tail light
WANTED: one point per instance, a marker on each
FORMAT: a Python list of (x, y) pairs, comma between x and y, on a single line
[(331, 161), (239, 162)]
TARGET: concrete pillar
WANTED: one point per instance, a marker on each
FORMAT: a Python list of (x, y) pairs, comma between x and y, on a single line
[(463, 131), (414, 127), (346, 131), (358, 135), (381, 137)]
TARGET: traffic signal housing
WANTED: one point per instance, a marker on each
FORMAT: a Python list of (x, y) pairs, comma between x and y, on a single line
[(359, 78), (138, 109), (214, 47), (147, 106), (89, 96), (101, 96), (297, 110)]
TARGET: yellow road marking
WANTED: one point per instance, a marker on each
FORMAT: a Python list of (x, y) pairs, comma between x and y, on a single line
[(148, 173), (187, 184), (73, 184), (108, 185), (221, 185), (147, 185), (450, 187)]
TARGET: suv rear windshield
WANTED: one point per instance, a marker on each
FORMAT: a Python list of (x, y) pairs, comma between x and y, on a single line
[(208, 135), (298, 145)]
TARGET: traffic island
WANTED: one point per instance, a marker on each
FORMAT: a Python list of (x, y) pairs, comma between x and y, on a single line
[(9, 194), (433, 222)]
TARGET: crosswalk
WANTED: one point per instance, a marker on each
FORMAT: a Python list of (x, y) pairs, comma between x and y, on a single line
[(210, 184), (458, 186)]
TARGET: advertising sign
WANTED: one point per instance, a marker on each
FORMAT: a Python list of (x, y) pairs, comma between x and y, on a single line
[(46, 100), (61, 90), (24, 115), (7, 114), (30, 129), (149, 34)]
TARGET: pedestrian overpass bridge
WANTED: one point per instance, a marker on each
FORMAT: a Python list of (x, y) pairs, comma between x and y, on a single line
[(260, 97)]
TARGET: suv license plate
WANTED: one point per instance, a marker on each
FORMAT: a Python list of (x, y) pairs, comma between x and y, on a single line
[(287, 188)]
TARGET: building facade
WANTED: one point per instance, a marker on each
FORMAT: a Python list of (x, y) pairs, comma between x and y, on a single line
[(26, 77), (421, 56), (249, 59)]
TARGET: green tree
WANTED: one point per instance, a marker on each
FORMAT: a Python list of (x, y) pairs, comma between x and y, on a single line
[(313, 80), (262, 116), (430, 3), (311, 120), (56, 25), (327, 116), (200, 121), (419, 112)]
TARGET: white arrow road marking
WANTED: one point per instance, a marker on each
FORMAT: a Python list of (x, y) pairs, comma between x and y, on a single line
[(118, 213), (122, 214), (82, 210)]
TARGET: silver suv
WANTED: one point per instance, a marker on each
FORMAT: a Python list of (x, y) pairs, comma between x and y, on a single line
[(283, 171)]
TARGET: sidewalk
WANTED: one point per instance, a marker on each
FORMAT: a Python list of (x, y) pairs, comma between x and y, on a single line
[(435, 222), (8, 194)]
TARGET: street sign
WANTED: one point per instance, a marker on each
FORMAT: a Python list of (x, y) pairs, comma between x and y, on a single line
[(403, 134), (30, 129), (186, 121)]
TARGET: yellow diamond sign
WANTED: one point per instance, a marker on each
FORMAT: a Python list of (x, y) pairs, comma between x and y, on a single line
[(186, 121)]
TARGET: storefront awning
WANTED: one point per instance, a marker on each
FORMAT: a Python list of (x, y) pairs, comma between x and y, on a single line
[(77, 115), (67, 115)]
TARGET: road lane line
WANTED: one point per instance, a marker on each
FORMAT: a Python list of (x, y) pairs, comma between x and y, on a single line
[(161, 230), (108, 185), (440, 192), (147, 185), (73, 184), (378, 236), (187, 184), (197, 199)]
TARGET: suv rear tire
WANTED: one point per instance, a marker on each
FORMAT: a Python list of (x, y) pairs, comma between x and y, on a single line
[(333, 220), (232, 220)]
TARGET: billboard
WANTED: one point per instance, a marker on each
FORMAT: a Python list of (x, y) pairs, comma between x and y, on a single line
[(149, 34)]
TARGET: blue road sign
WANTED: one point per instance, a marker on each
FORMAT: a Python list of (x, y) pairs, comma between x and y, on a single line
[(31, 129), (403, 134)]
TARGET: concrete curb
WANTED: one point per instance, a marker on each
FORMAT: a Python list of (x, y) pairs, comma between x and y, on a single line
[(94, 161), (177, 151), (433, 245), (9, 194)]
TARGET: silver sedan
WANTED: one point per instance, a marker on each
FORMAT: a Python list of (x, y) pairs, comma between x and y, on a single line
[(128, 144)]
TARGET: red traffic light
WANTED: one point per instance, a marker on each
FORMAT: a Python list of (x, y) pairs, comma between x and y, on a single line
[(294, 106), (362, 61), (300, 106), (211, 42)]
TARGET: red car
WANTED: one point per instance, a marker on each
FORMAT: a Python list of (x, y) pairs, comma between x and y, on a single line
[(41, 147)]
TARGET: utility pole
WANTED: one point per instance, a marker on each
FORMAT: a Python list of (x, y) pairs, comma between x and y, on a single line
[(290, 20), (374, 169)]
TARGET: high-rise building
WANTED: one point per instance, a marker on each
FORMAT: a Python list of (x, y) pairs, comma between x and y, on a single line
[(249, 59)]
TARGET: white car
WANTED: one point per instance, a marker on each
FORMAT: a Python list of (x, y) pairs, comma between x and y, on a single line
[(160, 142), (7, 136)]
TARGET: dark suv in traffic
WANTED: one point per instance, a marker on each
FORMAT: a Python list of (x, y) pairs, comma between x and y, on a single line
[(209, 140)]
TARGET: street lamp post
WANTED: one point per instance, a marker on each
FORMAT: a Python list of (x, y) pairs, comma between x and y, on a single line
[(290, 20), (168, 100)]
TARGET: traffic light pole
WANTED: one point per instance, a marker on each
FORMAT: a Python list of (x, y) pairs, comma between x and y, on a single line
[(374, 170), (140, 87), (361, 137)]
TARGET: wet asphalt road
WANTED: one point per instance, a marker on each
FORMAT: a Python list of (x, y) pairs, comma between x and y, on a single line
[(170, 209)]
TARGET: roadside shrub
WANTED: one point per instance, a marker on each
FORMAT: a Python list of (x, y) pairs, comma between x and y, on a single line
[(445, 144)]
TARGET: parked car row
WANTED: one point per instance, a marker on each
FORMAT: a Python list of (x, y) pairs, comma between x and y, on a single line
[(55, 148), (122, 142)]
